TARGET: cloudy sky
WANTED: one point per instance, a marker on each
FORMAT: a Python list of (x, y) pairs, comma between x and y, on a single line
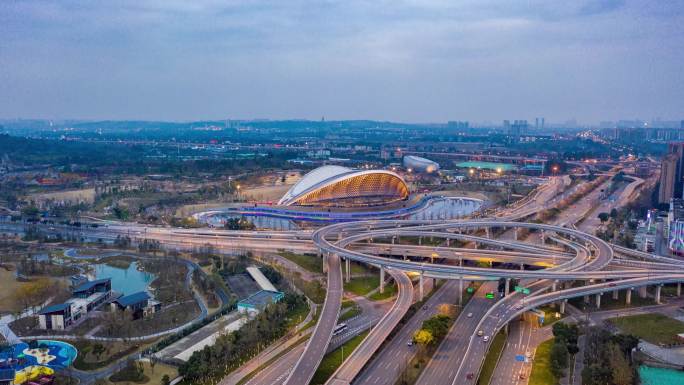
[(412, 61)]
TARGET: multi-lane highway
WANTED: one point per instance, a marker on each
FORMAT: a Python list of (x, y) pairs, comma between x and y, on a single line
[(575, 256), (351, 367), (318, 343)]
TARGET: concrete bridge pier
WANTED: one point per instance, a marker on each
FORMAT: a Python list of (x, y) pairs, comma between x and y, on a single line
[(562, 306), (554, 285), (382, 279), (515, 233), (657, 293), (643, 292), (347, 265), (420, 288), (507, 289), (616, 294), (598, 300), (586, 299), (325, 262), (679, 289), (393, 238), (628, 297), (448, 242), (420, 241), (522, 266), (487, 232), (543, 237), (460, 290)]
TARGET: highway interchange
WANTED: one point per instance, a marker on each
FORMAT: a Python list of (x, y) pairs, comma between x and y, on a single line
[(567, 255)]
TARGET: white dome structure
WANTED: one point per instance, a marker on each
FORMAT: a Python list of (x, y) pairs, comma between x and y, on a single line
[(419, 164), (345, 187)]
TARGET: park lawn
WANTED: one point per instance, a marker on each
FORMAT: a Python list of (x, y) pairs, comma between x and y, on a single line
[(362, 285), (361, 269), (307, 262), (297, 315), (654, 327), (492, 358), (541, 367), (154, 376), (10, 285), (390, 291), (11, 289), (333, 360)]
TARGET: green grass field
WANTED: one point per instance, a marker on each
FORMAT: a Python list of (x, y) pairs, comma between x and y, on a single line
[(541, 368), (333, 360), (492, 358), (390, 291), (308, 262), (362, 285), (654, 328)]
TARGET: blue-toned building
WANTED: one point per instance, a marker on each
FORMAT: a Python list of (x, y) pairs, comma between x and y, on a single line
[(55, 317), (258, 301), (140, 304)]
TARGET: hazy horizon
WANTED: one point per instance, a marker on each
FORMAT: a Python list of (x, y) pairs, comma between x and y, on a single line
[(412, 62)]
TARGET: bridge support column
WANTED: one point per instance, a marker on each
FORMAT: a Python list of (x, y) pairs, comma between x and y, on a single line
[(382, 279), (543, 237), (420, 241), (460, 290), (325, 262), (393, 239), (487, 232), (347, 265), (522, 266), (616, 294), (598, 300), (562, 306), (515, 234), (554, 285), (420, 288), (679, 289), (448, 241), (628, 297), (587, 299), (643, 292), (507, 289), (657, 293)]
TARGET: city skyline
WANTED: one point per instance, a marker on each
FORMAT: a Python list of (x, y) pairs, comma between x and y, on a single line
[(408, 62)]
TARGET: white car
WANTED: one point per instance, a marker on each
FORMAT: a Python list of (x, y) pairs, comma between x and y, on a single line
[(480, 333), (485, 339), (470, 315)]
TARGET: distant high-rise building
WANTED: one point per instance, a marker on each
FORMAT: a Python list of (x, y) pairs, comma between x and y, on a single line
[(458, 125), (517, 128), (539, 123), (681, 124), (668, 175), (672, 173)]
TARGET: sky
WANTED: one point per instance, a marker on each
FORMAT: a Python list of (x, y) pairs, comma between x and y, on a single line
[(409, 61)]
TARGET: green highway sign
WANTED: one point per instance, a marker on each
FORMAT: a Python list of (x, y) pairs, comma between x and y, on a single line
[(489, 295), (470, 289), (523, 290)]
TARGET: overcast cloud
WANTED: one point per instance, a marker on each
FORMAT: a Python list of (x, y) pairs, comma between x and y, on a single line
[(413, 61)]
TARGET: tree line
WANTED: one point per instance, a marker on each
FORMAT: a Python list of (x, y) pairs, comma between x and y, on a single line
[(210, 364)]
